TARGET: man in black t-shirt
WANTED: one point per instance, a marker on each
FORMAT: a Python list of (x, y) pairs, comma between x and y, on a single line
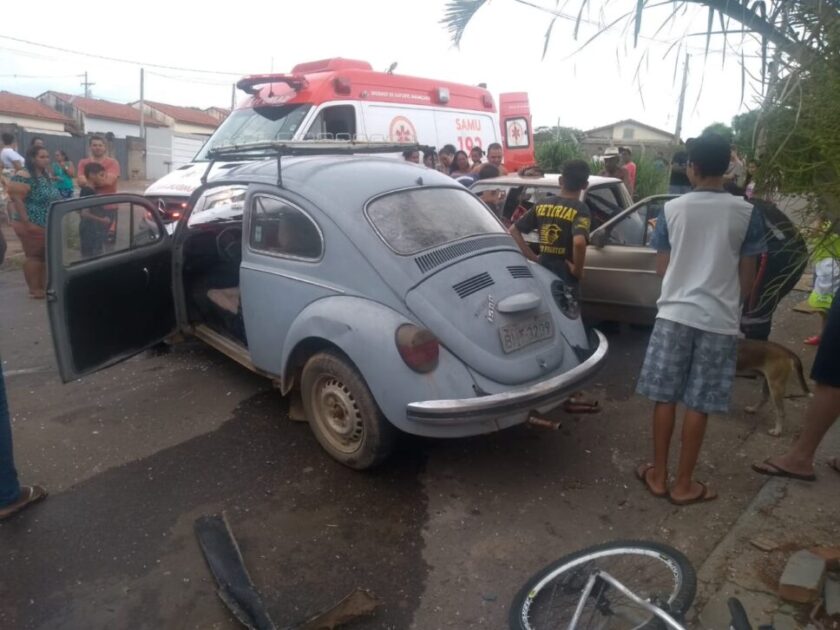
[(563, 224), (679, 183)]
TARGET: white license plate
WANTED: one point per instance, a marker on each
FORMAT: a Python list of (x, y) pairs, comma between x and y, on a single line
[(526, 332)]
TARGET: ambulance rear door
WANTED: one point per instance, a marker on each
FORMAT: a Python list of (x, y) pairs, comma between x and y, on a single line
[(517, 134)]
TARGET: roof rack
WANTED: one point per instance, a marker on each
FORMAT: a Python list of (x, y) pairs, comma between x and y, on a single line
[(264, 150)]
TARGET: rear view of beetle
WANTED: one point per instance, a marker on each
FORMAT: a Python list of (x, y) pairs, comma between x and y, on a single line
[(384, 293)]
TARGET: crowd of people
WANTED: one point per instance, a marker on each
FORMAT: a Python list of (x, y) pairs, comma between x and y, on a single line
[(702, 309), (35, 180)]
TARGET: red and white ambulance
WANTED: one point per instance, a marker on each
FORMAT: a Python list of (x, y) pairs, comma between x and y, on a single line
[(345, 99)]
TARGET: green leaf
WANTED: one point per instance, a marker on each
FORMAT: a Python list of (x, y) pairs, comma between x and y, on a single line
[(548, 36), (457, 16), (640, 7)]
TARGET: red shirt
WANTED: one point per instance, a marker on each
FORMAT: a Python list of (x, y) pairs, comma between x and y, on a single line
[(110, 165)]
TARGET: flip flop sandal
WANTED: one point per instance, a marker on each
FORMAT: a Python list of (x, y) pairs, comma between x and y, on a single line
[(775, 471), (641, 475), (812, 341), (28, 496), (705, 496)]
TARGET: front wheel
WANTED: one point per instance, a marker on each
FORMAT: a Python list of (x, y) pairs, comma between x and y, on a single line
[(342, 412), (654, 572)]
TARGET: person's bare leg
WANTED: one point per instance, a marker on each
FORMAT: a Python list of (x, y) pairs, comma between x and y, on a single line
[(30, 274), (40, 279), (821, 414), (664, 418), (694, 429)]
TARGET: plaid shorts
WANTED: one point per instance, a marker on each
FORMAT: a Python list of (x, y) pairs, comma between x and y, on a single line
[(689, 365)]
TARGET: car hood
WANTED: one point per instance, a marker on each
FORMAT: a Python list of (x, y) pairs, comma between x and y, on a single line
[(470, 305), (185, 179)]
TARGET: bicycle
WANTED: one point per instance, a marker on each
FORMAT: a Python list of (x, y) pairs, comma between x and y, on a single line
[(591, 589)]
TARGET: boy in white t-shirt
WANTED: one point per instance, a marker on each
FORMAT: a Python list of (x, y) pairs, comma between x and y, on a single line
[(10, 159), (706, 241)]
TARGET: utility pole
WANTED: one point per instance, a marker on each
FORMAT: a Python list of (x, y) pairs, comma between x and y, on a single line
[(682, 101), (87, 84), (233, 97), (142, 108)]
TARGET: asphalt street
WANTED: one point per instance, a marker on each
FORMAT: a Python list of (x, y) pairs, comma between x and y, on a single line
[(445, 533)]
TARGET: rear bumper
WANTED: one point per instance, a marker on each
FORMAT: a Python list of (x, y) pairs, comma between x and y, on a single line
[(494, 406)]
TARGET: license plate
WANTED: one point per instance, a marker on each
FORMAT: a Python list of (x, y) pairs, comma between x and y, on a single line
[(526, 332)]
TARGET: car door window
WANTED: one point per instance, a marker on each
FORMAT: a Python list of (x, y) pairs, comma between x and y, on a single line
[(333, 123), (636, 229), (282, 229), (103, 230), (604, 203)]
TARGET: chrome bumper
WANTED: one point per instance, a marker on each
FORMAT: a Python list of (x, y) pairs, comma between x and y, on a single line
[(482, 408)]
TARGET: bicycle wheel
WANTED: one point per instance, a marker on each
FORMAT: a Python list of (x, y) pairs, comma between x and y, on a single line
[(654, 572)]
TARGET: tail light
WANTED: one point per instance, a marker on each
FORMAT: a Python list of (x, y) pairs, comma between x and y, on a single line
[(418, 348)]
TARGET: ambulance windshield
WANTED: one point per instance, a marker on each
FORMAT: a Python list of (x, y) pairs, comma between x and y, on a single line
[(260, 124)]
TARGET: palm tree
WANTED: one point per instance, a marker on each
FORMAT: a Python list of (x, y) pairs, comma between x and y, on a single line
[(797, 128)]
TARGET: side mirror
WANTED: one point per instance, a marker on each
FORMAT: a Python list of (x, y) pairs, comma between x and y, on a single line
[(598, 238)]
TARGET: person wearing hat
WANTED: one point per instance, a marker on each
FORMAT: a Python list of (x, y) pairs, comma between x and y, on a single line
[(613, 167)]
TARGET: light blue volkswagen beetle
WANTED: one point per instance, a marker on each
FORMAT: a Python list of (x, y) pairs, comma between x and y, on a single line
[(384, 294)]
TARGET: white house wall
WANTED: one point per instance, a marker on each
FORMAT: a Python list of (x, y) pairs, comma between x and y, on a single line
[(640, 134), (201, 130), (119, 129), (158, 151), (45, 126)]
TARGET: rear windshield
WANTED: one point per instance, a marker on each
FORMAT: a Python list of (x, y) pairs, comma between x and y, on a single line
[(256, 124), (410, 221)]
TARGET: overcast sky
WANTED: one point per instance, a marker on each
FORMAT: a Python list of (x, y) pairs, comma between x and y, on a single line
[(502, 47)]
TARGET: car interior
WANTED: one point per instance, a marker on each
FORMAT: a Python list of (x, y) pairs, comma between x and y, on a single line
[(602, 202), (212, 254)]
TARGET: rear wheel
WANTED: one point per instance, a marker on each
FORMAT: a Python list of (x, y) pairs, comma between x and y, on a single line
[(342, 412), (656, 573)]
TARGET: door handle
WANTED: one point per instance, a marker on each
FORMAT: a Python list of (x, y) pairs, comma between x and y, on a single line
[(147, 275)]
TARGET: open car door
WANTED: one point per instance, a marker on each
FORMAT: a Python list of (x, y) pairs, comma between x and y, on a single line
[(109, 290), (620, 280)]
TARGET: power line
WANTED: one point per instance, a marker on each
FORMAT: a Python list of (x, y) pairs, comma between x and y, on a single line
[(118, 59)]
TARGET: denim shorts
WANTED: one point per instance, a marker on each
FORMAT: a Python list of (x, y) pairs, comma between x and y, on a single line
[(689, 365)]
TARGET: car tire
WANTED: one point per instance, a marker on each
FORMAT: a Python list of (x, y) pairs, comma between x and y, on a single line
[(342, 413)]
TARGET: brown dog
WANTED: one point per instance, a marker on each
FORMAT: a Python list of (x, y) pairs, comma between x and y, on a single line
[(774, 363)]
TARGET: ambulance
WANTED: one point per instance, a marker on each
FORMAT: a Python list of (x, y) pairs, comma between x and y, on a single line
[(345, 99)]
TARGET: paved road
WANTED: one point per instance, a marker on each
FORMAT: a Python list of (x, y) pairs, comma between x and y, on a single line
[(445, 533)]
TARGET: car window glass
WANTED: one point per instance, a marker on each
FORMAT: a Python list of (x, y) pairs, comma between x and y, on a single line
[(257, 124), (218, 205), (413, 220), (104, 229), (333, 123), (277, 227), (636, 229), (604, 203)]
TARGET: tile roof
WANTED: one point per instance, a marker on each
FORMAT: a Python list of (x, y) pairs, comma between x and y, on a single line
[(28, 107), (98, 108), (190, 115)]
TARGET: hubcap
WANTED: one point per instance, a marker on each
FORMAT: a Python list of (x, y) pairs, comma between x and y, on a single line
[(338, 414)]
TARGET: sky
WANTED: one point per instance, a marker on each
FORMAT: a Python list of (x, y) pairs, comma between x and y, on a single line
[(606, 81)]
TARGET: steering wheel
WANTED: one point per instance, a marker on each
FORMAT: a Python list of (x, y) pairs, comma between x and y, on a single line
[(229, 244)]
